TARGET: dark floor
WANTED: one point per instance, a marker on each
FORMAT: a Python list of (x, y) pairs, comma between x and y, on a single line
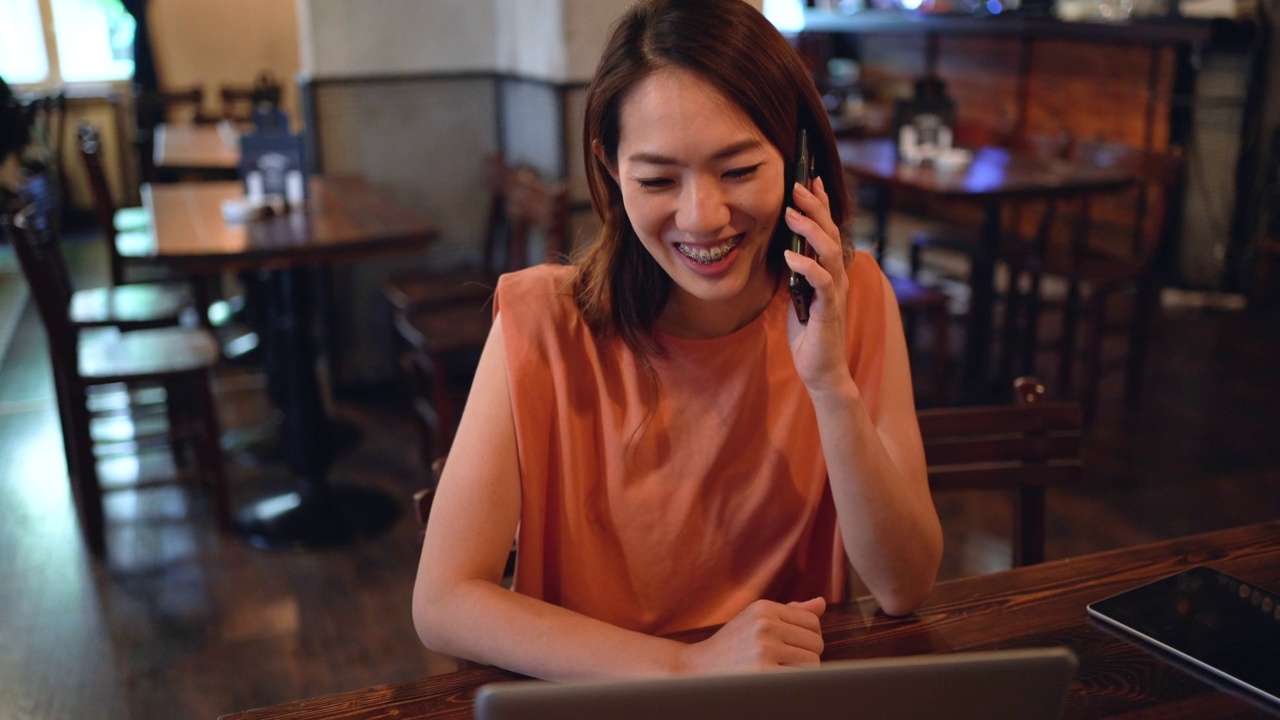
[(181, 622)]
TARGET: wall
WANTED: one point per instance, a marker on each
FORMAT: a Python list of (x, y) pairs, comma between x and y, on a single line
[(228, 42), (358, 38)]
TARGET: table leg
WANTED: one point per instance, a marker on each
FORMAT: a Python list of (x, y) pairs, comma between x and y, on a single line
[(981, 307), (319, 513)]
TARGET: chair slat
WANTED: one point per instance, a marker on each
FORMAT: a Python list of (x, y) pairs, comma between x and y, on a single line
[(999, 419), (1000, 478), (1021, 448), (1025, 449)]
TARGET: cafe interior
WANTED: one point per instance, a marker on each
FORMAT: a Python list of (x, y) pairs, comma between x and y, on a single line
[(225, 398)]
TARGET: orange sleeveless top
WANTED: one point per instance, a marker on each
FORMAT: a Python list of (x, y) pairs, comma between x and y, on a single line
[(661, 508)]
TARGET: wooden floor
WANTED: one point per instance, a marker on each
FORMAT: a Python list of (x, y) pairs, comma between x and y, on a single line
[(181, 622)]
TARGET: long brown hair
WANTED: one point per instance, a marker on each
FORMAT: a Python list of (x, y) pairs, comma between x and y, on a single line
[(619, 287)]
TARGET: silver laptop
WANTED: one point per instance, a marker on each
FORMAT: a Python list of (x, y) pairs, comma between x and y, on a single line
[(997, 685)]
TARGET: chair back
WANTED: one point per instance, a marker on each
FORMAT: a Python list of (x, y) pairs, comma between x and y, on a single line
[(45, 270), (154, 107), (104, 208), (1022, 447), (1030, 218), (1130, 223), (240, 102), (535, 208), (496, 171)]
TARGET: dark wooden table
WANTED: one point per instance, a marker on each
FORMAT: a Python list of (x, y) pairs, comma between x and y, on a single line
[(994, 177), (344, 220), (1037, 606), (205, 150)]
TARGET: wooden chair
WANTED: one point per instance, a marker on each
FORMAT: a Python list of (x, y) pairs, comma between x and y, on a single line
[(419, 289), (1110, 251), (916, 299), (127, 307), (47, 120), (442, 339), (175, 359), (154, 107), (240, 102), (1022, 448), (171, 106), (125, 231)]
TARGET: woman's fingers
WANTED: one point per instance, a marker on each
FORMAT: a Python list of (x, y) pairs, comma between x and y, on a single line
[(764, 634), (816, 205)]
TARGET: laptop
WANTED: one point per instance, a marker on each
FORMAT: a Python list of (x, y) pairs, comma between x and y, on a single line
[(997, 685)]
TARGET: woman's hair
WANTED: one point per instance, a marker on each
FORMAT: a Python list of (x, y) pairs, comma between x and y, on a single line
[(619, 287)]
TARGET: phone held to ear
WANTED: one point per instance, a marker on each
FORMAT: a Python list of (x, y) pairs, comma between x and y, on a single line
[(801, 290)]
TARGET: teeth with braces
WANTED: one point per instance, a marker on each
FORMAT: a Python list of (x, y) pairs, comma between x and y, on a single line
[(705, 256)]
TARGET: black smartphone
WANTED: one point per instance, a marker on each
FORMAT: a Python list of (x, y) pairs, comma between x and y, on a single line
[(801, 290)]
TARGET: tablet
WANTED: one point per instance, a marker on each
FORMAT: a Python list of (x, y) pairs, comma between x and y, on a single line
[(1220, 623)]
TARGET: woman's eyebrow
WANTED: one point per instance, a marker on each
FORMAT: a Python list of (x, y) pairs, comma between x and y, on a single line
[(728, 151)]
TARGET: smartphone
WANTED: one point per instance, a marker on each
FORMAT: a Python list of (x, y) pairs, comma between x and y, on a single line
[(801, 290)]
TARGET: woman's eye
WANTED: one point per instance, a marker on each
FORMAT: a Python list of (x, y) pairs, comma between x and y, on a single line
[(653, 183), (740, 173)]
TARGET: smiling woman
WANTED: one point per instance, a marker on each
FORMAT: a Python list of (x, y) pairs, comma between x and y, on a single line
[(669, 444)]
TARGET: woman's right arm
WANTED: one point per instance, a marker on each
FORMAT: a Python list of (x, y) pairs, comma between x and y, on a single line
[(461, 609)]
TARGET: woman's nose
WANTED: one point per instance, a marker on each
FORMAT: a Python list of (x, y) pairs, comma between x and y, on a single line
[(702, 207)]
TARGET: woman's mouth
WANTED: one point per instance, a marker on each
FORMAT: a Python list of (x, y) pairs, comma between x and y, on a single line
[(704, 255)]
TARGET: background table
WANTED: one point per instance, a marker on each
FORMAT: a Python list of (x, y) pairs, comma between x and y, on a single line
[(344, 220), (1036, 606), (210, 150), (994, 176)]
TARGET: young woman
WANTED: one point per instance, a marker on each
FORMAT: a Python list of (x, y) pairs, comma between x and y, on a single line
[(671, 446)]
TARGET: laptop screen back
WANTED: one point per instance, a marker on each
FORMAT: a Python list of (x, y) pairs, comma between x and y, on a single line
[(998, 685)]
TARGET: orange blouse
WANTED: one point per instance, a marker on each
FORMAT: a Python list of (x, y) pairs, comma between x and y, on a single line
[(670, 505)]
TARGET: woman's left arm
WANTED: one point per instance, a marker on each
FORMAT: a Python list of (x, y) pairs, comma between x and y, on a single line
[(876, 465)]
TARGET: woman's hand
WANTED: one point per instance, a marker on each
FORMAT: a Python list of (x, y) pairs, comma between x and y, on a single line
[(819, 347), (765, 634)]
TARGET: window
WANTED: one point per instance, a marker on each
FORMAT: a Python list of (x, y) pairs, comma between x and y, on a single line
[(23, 57), (65, 41)]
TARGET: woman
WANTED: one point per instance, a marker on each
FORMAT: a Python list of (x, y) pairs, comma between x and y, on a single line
[(673, 446)]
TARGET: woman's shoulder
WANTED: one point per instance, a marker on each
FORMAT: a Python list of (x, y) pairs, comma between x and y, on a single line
[(537, 284), (538, 300)]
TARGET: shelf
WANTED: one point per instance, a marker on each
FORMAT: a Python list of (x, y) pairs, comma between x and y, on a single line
[(1145, 31)]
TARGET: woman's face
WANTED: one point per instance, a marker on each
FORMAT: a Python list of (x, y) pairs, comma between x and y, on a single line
[(703, 189)]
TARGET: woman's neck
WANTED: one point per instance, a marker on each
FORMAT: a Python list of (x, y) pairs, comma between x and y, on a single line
[(689, 317)]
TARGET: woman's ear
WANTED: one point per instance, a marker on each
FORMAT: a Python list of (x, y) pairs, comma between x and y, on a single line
[(597, 149)]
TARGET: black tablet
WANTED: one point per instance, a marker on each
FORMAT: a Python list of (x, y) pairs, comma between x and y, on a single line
[(1218, 622)]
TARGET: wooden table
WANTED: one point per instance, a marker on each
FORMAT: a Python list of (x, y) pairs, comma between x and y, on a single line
[(1036, 606), (344, 220), (211, 148), (993, 177)]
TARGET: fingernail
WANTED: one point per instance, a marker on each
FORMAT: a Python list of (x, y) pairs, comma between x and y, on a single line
[(802, 188), (792, 212)]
